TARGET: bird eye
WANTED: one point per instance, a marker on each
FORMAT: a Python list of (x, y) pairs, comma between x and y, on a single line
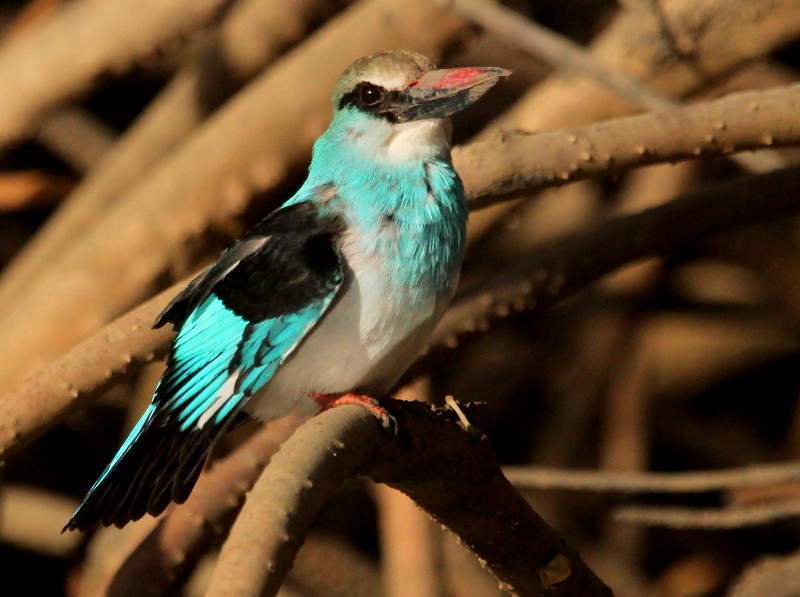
[(371, 94)]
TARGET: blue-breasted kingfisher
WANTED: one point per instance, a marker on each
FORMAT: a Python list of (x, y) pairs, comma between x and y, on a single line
[(327, 300)]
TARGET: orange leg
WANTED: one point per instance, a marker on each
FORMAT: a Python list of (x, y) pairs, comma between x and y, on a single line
[(327, 401)]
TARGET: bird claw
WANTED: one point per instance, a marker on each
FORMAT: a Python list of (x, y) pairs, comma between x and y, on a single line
[(387, 420), (328, 401)]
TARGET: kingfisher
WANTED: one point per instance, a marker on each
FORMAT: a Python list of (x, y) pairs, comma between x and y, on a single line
[(325, 301)]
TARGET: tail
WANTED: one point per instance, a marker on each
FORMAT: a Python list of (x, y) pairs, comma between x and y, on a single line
[(159, 463)]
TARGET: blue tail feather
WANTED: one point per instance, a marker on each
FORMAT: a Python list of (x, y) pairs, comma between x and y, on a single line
[(156, 465)]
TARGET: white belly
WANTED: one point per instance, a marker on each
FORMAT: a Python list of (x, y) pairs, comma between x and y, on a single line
[(364, 343)]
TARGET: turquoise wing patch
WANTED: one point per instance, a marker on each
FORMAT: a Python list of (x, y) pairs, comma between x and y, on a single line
[(220, 359)]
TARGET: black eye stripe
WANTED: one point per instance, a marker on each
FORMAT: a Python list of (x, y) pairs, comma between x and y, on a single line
[(369, 98)]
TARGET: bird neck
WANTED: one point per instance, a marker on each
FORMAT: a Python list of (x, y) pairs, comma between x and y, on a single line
[(412, 211), (383, 170)]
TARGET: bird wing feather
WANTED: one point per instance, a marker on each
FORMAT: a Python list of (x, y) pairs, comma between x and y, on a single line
[(237, 323)]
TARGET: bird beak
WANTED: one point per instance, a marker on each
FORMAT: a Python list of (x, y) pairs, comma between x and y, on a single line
[(442, 93)]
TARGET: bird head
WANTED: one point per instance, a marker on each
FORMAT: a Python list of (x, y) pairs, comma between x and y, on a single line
[(396, 104)]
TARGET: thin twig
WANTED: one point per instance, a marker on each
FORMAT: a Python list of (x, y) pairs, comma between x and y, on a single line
[(557, 50), (649, 482), (709, 518)]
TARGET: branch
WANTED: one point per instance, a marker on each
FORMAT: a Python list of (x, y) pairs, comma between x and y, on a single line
[(572, 263), (328, 566), (455, 479), (64, 55), (649, 482), (80, 375), (735, 517), (777, 576), (732, 32), (557, 50), (76, 136), (562, 52), (164, 559), (25, 189), (252, 34), (30, 518), (555, 273), (522, 163), (714, 37)]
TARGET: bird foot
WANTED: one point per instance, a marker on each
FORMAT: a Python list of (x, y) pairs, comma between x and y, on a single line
[(328, 401)]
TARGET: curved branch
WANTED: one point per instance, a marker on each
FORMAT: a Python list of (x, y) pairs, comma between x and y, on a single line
[(572, 263), (521, 162), (62, 57), (80, 375), (167, 555), (455, 478), (252, 34)]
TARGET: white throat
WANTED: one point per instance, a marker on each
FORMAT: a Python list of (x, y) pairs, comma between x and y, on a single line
[(396, 143)]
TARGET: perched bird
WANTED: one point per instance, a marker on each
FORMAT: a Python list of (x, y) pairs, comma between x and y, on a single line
[(327, 300)]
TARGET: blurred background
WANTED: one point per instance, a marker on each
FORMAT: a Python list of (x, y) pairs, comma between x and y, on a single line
[(137, 143)]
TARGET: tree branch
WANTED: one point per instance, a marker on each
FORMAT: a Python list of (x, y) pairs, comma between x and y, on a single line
[(572, 263), (553, 274), (649, 482), (456, 480), (562, 52), (80, 375), (732, 32), (734, 517), (252, 34), (522, 163), (62, 56), (162, 562)]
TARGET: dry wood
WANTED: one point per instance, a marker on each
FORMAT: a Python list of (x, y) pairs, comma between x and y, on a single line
[(163, 561), (74, 135), (690, 45), (648, 482), (252, 34), (549, 276), (474, 501), (63, 55), (775, 576), (718, 35)]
